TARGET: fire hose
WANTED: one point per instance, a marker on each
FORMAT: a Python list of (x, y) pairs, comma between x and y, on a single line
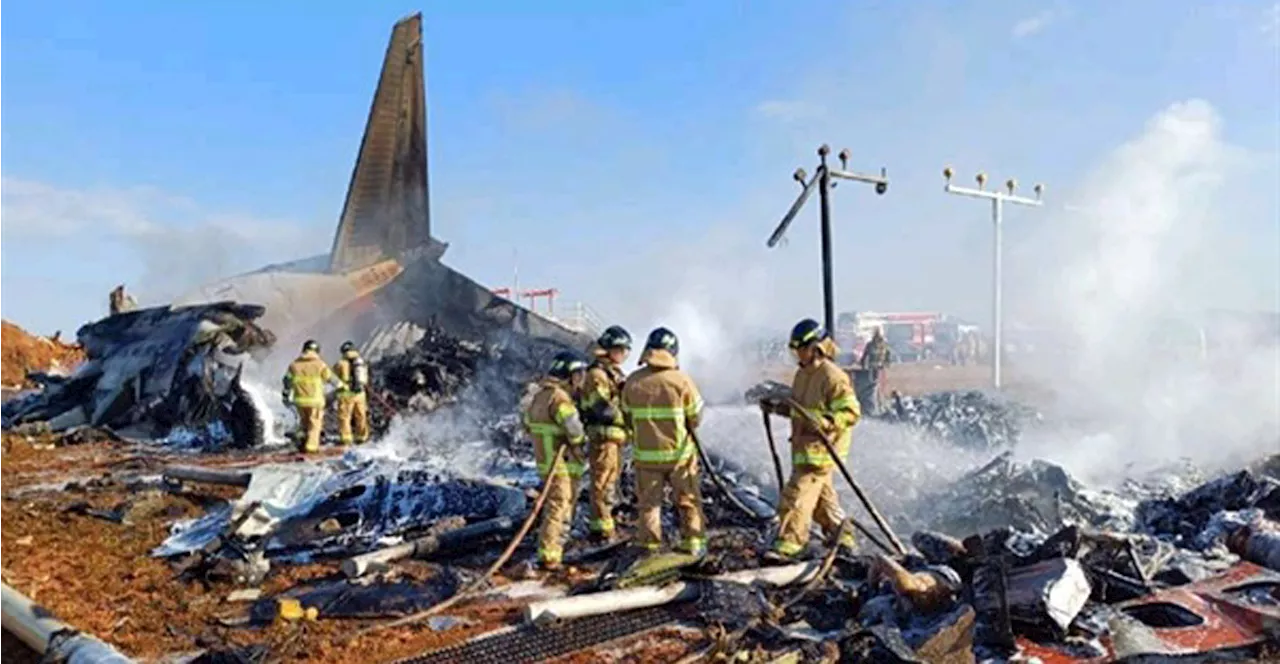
[(719, 482), (844, 470), (777, 467), (497, 564), (725, 642), (773, 449)]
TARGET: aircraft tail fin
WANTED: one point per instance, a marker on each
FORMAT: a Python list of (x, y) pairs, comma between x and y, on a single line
[(387, 210)]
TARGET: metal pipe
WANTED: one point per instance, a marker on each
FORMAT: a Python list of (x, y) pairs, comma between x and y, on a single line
[(998, 199), (360, 565), (859, 177), (208, 475), (35, 626), (791, 213), (997, 276), (828, 289), (580, 606), (612, 601)]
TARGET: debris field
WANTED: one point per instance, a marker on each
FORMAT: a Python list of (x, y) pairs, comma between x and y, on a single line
[(378, 553)]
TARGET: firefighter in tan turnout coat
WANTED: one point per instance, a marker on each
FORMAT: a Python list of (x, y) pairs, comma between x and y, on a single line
[(353, 400), (823, 389), (551, 419), (662, 406), (304, 388), (606, 428)]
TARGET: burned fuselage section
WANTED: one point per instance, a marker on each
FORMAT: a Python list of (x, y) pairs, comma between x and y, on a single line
[(152, 372)]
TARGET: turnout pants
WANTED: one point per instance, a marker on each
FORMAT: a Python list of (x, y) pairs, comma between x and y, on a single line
[(606, 468), (650, 486), (310, 426), (880, 374), (353, 418), (809, 496), (557, 516)]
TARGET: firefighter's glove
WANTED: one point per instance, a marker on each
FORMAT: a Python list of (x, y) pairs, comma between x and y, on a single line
[(829, 425), (284, 396)]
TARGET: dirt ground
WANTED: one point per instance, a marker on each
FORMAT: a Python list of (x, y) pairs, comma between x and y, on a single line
[(98, 576), (21, 351)]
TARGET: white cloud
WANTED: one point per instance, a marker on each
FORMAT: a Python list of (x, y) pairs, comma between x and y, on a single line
[(33, 209), (1270, 26), (170, 240), (790, 110), (1034, 24)]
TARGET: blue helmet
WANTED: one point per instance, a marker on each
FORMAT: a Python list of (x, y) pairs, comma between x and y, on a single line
[(807, 331), (564, 364), (663, 339), (614, 337)]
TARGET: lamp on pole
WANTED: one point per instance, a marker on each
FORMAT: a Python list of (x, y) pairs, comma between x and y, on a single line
[(998, 199), (822, 181)]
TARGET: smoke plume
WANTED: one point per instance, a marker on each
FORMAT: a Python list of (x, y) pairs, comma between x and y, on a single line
[(1129, 281)]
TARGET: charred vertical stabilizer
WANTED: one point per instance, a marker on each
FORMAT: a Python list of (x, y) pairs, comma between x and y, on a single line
[(387, 212)]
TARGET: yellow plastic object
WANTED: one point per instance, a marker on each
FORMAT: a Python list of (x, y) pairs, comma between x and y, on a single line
[(290, 609)]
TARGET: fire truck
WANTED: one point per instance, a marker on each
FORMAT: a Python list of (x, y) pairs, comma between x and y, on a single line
[(912, 335)]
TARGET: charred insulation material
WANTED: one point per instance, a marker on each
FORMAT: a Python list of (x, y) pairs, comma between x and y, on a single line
[(441, 369), (971, 420), (345, 507), (1037, 497)]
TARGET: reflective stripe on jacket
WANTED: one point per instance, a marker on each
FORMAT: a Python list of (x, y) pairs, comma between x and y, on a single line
[(661, 404), (825, 391), (306, 378), (603, 388), (550, 419)]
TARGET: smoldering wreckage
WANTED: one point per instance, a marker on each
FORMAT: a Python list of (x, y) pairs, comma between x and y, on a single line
[(1013, 561)]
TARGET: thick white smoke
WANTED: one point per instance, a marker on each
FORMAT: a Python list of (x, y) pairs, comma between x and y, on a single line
[(1124, 280), (1128, 281), (721, 296)]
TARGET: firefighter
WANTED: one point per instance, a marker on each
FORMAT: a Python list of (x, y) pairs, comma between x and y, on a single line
[(662, 406), (824, 390), (606, 428), (552, 420), (353, 401), (876, 357), (304, 388)]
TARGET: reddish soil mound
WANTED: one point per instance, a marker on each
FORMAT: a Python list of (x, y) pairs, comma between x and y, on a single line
[(23, 352)]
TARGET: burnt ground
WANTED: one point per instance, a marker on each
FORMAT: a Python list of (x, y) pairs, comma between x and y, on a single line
[(98, 576)]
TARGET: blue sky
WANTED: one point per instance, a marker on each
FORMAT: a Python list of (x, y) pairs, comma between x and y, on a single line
[(634, 153)]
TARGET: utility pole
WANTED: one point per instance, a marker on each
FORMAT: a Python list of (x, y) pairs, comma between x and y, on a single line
[(822, 181), (998, 199)]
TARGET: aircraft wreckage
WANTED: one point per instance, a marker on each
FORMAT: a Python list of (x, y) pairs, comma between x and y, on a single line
[(409, 536), (183, 368)]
